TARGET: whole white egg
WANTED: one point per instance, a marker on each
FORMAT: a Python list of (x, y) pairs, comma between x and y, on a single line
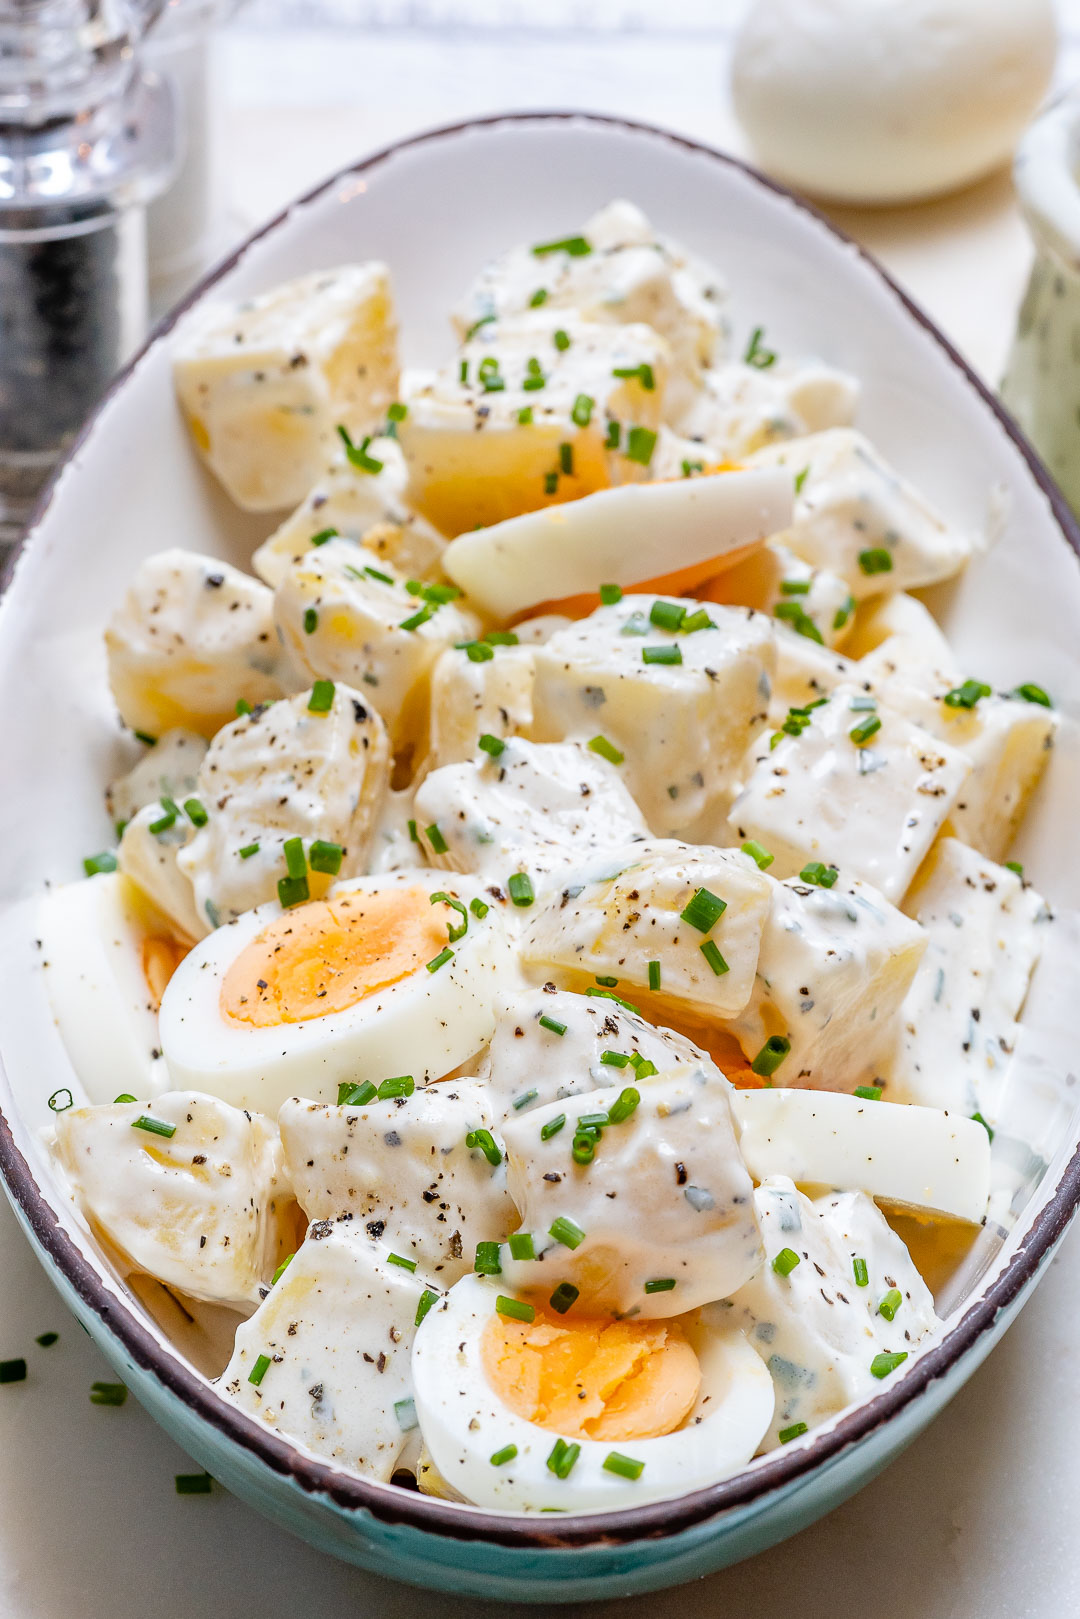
[(885, 101)]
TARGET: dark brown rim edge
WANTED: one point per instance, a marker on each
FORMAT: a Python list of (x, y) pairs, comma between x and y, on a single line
[(660, 1519)]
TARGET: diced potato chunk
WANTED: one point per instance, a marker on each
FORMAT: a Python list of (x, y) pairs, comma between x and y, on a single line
[(857, 786), (264, 383), (684, 725), (856, 515), (1006, 738), (812, 602), (620, 271), (916, 1158), (536, 806), (333, 1343), (627, 908), (169, 768), (150, 859), (879, 617), (285, 772), (816, 1329), (636, 1219), (745, 407), (534, 412), (345, 614), (366, 506), (470, 700), (986, 929), (204, 1207), (403, 1172), (834, 967), (192, 638)]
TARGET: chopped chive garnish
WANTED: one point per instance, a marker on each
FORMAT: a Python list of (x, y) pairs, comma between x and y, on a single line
[(890, 1304), (357, 453), (611, 442), (552, 1127), (800, 479), (322, 697), (563, 1297), (860, 1273), (295, 861), (281, 1269), (667, 615), (248, 850), (865, 729), (799, 619), (435, 838), (397, 412), (521, 889), (761, 857), (163, 823), (796, 1431), (868, 1093), (479, 909), (525, 416), (500, 1457), (193, 1484), (414, 836), (553, 1025), (583, 1148), (623, 1466), (485, 1141), (561, 340), (654, 975), (661, 654), (125, 1096), (1033, 694), (323, 536), (697, 621), (610, 595), (195, 812), (427, 1298), (562, 1458), (785, 1262), (795, 587), (524, 1099), (414, 621), (242, 707), (493, 745), (311, 621), (883, 1364), (581, 413), (875, 560), (540, 296), (398, 1085), (642, 1068), (259, 1370), (154, 1127), (756, 352), (625, 1103), (567, 1232), (703, 910), (485, 320), (576, 246), (614, 1059), (476, 651), (108, 1393), (660, 1284), (819, 874), (606, 982), (326, 857), (551, 483), (771, 1056), (61, 1100), (501, 638), (642, 373), (1014, 865), (292, 891), (691, 469), (487, 1261), (521, 1245), (607, 750), (103, 862), (401, 1261), (515, 1309), (606, 995), (47, 1339), (13, 1371), (455, 931), (713, 957), (463, 372), (151, 741), (966, 695), (351, 1094), (440, 960), (377, 574), (640, 444), (977, 1118)]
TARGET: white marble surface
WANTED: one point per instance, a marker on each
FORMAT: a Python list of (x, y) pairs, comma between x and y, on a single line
[(977, 1520)]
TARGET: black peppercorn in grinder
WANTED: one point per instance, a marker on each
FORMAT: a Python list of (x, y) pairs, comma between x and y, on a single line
[(87, 139)]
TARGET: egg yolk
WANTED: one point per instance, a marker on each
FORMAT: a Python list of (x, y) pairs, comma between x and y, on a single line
[(330, 954), (593, 1379)]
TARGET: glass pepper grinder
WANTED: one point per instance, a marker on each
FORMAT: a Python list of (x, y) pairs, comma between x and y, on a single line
[(86, 140)]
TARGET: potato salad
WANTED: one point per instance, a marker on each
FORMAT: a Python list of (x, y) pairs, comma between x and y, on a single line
[(560, 939)]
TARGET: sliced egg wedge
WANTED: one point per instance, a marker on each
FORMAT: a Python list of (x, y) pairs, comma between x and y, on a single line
[(918, 1157), (383, 979), (672, 1406), (665, 536)]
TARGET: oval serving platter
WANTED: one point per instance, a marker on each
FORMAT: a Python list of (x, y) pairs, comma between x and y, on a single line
[(434, 208)]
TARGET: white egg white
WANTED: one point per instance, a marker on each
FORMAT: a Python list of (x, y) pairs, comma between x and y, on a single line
[(465, 1423), (425, 1025)]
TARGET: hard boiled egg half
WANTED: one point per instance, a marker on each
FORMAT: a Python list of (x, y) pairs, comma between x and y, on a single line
[(529, 1410), (387, 976)]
